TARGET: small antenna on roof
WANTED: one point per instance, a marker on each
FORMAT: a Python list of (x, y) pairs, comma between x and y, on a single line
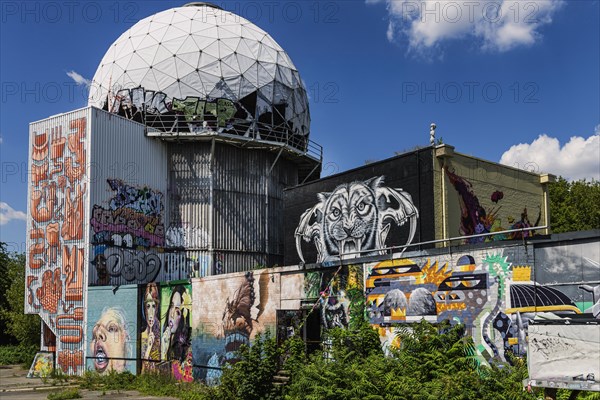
[(432, 133)]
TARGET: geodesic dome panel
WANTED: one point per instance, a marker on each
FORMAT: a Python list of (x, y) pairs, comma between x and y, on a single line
[(199, 68)]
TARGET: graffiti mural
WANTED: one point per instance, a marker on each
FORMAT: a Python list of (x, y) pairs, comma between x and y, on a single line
[(249, 116), (55, 229), (112, 329), (233, 311), (133, 217), (355, 219), (176, 332), (187, 236), (42, 366), (494, 298), (150, 336), (477, 219), (128, 235), (337, 294)]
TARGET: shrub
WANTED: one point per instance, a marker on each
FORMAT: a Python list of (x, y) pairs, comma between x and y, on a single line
[(66, 394), (21, 354)]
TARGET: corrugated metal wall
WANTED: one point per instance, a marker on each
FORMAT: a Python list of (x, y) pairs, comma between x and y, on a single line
[(57, 231), (228, 202), (129, 206)]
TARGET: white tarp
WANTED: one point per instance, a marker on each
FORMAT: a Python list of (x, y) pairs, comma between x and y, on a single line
[(557, 351)]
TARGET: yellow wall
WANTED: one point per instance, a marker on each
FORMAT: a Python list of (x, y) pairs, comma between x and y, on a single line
[(479, 180)]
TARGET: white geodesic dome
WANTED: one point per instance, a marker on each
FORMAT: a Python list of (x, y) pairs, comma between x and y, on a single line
[(200, 67)]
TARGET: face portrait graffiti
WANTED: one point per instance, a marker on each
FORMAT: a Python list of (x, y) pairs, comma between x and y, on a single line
[(174, 312), (109, 345), (150, 334), (176, 334)]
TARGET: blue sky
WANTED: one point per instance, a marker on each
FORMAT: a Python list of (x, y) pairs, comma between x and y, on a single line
[(504, 80)]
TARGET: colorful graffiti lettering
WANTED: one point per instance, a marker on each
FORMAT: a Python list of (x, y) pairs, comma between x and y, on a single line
[(194, 114), (127, 234), (196, 110), (143, 200), (131, 265), (133, 217)]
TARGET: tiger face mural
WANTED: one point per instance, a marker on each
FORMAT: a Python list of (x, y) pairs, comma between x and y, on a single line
[(355, 219)]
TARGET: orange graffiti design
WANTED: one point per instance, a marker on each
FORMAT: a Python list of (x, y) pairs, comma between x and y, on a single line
[(39, 173), (48, 195), (72, 259), (435, 273), (40, 147), (57, 148), (50, 292), (72, 228), (53, 240), (30, 280), (441, 307), (70, 359), (77, 147), (61, 326), (38, 247), (57, 143)]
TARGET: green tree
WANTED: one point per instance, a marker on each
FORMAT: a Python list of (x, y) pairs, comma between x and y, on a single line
[(574, 206), (251, 377), (4, 285), (21, 328)]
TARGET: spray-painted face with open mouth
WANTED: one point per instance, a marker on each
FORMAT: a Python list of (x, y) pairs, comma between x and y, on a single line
[(109, 340)]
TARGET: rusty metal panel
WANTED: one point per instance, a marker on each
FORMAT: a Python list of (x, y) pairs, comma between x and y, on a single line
[(128, 202)]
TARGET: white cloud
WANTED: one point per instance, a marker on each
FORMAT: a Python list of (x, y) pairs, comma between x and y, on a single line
[(80, 80), (498, 25), (7, 214), (579, 158)]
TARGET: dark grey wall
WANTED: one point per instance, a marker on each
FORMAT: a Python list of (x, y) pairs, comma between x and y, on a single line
[(412, 172)]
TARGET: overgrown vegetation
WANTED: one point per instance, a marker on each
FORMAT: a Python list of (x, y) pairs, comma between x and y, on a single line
[(66, 394), (434, 362), (19, 333), (15, 326), (18, 354), (574, 206)]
